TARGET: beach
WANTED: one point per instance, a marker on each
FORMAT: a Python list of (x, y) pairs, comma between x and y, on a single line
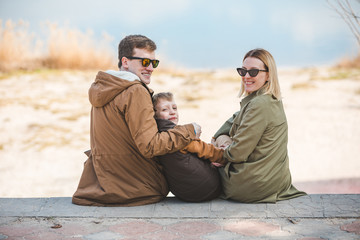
[(44, 124)]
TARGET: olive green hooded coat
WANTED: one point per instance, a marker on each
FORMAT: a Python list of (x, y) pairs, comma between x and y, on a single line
[(124, 139), (258, 163)]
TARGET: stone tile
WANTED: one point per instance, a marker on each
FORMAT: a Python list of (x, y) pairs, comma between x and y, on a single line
[(189, 238), (160, 235), (146, 211), (223, 235), (251, 228), (5, 220), (304, 206), (19, 207), (107, 235), (174, 208), (77, 226), (15, 238), (63, 207), (311, 238), (353, 227), (19, 231), (231, 209), (71, 229), (316, 228), (135, 228), (193, 228), (44, 236), (341, 205)]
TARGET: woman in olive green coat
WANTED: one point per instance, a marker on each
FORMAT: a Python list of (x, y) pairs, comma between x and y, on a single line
[(258, 165)]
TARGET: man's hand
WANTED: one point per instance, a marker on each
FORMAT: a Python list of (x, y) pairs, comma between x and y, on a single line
[(197, 129)]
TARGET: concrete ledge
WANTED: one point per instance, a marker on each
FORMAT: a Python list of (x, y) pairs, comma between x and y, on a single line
[(311, 206), (315, 217)]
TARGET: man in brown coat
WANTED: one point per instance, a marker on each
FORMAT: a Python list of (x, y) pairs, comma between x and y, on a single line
[(124, 138)]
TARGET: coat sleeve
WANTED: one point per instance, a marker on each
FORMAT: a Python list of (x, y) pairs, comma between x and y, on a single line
[(225, 128), (248, 132), (205, 150), (139, 116)]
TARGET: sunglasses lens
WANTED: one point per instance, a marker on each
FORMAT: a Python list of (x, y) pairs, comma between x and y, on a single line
[(253, 72), (146, 62), (155, 63), (241, 71)]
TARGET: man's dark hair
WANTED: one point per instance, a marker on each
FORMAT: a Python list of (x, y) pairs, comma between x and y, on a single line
[(127, 45)]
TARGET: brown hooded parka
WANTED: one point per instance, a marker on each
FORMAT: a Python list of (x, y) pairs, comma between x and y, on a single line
[(120, 170)]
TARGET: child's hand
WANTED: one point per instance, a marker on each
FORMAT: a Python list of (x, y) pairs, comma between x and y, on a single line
[(217, 164)]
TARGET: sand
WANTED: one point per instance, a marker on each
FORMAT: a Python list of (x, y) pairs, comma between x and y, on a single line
[(44, 126)]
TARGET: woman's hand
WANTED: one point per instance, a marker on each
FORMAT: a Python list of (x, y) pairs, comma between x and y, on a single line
[(222, 141)]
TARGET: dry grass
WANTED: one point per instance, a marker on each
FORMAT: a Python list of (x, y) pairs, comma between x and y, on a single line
[(190, 96), (349, 62), (43, 136), (16, 43), (333, 73), (346, 68), (64, 48), (302, 85), (357, 91), (72, 49), (338, 74)]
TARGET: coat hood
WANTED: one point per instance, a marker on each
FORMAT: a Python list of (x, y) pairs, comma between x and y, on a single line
[(109, 84)]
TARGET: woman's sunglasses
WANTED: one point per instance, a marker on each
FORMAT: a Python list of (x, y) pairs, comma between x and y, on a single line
[(252, 72), (146, 61)]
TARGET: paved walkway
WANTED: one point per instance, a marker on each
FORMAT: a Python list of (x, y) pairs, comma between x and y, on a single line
[(308, 217)]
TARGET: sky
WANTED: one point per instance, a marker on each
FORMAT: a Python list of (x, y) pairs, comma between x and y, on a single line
[(205, 34)]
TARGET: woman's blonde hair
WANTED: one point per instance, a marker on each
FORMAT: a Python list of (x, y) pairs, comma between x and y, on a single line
[(272, 86)]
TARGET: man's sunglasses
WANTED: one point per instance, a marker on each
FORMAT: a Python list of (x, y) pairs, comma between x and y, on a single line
[(252, 72), (146, 61)]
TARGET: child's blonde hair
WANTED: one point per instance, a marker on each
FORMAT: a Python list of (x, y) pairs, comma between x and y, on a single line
[(162, 95)]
